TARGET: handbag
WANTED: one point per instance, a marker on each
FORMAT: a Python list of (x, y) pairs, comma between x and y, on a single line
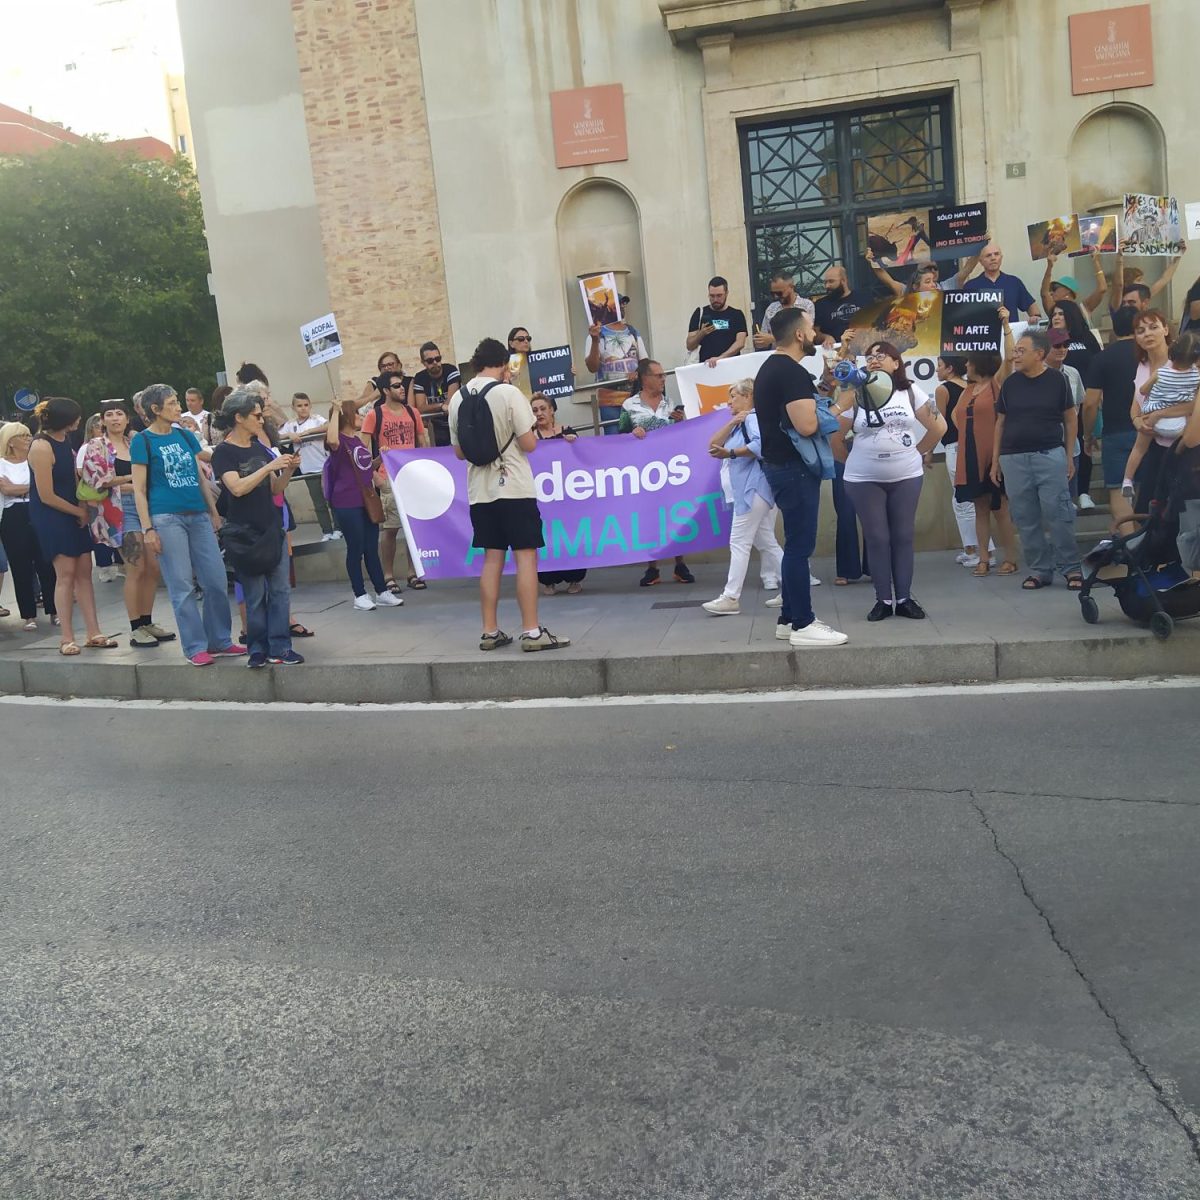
[(372, 504), (251, 551)]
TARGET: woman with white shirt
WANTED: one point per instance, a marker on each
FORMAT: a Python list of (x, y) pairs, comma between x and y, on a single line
[(645, 411), (884, 473), (739, 441), (16, 530)]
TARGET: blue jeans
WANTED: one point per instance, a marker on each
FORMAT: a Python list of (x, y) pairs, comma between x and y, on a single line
[(189, 548), (610, 412), (362, 542), (1039, 499), (268, 609), (849, 563), (798, 495)]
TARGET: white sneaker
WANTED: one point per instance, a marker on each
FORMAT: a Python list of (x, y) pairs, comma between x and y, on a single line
[(813, 581), (968, 560), (364, 603), (337, 535), (327, 537), (770, 585), (817, 634), (723, 606), (388, 600), (1085, 501), (775, 602), (783, 633)]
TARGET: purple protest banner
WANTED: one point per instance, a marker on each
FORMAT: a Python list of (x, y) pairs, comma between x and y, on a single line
[(605, 501)]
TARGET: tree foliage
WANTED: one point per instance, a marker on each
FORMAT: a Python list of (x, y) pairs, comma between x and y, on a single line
[(103, 276)]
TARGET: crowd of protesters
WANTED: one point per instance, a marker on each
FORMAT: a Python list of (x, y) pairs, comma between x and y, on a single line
[(195, 496)]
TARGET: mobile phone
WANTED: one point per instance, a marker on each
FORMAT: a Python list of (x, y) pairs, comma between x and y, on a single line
[(287, 447)]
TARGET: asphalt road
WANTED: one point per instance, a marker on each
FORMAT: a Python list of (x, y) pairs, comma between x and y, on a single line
[(934, 947)]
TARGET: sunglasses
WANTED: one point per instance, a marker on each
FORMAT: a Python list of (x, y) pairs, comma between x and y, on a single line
[(395, 387), (522, 337), (435, 358)]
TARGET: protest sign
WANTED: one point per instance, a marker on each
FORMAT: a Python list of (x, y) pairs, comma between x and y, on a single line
[(912, 323), (1058, 235), (601, 300), (703, 388), (1151, 226), (958, 232), (518, 374), (605, 501), (321, 340), (899, 239), (1099, 233), (550, 372), (971, 321), (1192, 220)]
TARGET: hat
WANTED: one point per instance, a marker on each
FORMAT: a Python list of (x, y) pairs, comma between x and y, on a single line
[(1059, 337), (1067, 282), (624, 299)]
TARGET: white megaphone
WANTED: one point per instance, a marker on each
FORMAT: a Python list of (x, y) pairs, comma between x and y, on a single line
[(875, 395)]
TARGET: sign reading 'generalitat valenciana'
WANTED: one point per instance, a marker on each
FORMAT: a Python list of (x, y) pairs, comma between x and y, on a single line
[(1112, 49), (589, 125)]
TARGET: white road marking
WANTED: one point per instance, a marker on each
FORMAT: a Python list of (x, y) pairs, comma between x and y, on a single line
[(792, 696)]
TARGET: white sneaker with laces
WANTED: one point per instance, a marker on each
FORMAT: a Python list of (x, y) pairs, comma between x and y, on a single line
[(364, 603), (388, 600), (783, 633), (775, 602), (770, 585), (816, 635), (722, 606), (327, 537), (813, 581), (1085, 501), (968, 560), (337, 535)]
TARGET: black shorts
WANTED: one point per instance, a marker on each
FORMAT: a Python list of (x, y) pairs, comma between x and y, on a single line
[(507, 524)]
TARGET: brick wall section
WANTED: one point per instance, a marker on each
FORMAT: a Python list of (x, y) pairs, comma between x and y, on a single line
[(360, 70)]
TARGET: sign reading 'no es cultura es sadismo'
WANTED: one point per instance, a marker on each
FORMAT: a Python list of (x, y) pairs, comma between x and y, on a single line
[(589, 125)]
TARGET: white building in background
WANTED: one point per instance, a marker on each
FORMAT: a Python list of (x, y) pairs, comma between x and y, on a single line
[(109, 67)]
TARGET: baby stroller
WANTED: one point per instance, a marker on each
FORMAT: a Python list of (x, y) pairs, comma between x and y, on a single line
[(1157, 589)]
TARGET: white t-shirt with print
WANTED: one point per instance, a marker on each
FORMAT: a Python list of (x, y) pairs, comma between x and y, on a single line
[(312, 453), (620, 351), (511, 477), (887, 452)]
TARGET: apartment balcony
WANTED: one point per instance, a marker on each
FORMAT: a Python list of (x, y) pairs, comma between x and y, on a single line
[(687, 20)]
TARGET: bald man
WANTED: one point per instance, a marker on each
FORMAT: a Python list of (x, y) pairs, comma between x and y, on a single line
[(1016, 295), (837, 306)]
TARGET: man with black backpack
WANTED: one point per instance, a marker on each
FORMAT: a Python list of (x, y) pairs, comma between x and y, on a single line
[(491, 429)]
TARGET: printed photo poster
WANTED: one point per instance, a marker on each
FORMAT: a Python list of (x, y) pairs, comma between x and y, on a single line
[(912, 323), (321, 340), (1058, 235), (518, 374), (1191, 213), (1097, 233), (971, 322), (899, 239), (1151, 226), (601, 300), (958, 232)]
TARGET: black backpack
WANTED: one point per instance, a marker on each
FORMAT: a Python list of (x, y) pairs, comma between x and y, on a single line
[(377, 408), (477, 428)]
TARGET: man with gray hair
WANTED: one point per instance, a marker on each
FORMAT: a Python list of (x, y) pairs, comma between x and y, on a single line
[(1034, 455)]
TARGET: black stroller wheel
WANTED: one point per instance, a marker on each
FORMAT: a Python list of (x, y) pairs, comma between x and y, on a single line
[(1089, 609), (1161, 625)]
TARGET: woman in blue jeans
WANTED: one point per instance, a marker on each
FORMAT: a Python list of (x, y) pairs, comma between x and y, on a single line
[(349, 487), (179, 520), (251, 476)]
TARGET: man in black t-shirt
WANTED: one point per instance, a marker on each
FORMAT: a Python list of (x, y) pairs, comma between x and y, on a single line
[(717, 330), (837, 306), (1034, 454), (432, 389), (1110, 388), (785, 398)]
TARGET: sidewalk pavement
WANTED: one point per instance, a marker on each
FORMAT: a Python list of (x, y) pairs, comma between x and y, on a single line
[(625, 640)]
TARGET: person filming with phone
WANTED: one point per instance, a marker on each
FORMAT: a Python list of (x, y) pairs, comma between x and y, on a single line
[(716, 330)]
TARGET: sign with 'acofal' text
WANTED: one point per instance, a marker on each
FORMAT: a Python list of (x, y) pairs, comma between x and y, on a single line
[(605, 501)]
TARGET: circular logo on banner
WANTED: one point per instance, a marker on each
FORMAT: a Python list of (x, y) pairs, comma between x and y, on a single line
[(25, 399), (426, 489)]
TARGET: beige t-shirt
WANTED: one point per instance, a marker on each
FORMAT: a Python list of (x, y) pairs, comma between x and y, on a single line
[(511, 477)]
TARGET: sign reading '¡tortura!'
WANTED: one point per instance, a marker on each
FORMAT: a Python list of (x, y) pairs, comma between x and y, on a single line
[(589, 125), (1112, 49)]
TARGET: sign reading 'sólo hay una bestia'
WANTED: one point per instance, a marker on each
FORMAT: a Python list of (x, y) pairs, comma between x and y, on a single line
[(958, 232), (605, 501)]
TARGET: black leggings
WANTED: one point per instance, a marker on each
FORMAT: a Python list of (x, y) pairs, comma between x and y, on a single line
[(888, 513), (26, 562)]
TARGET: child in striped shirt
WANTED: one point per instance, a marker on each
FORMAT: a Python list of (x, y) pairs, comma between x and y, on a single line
[(1175, 383)]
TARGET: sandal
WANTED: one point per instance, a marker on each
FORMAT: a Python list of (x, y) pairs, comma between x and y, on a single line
[(68, 649), (547, 589), (1074, 582), (982, 571), (298, 630), (1033, 584), (416, 583), (573, 589), (5, 613), (30, 626), (393, 587), (100, 642), (1007, 567)]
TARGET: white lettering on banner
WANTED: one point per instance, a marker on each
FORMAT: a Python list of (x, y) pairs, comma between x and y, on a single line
[(612, 481)]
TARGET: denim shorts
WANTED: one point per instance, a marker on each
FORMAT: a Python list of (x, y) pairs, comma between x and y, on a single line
[(1114, 453), (129, 512)]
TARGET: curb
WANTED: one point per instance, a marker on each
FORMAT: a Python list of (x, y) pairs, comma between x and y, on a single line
[(526, 677)]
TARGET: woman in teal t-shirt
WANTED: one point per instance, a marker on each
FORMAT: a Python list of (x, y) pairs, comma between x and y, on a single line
[(179, 522)]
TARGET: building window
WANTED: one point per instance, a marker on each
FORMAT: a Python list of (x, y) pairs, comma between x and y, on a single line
[(183, 143), (810, 184), (71, 67)]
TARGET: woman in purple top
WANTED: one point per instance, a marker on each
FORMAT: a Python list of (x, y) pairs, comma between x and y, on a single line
[(349, 486)]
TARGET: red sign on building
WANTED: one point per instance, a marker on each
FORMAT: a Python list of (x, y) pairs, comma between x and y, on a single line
[(1111, 50), (589, 125)]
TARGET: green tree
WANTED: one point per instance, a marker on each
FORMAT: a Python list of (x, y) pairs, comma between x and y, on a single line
[(103, 276)]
